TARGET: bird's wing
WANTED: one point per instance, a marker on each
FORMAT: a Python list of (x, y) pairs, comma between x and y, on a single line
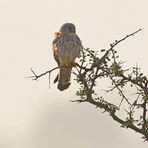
[(55, 46), (55, 50), (65, 50)]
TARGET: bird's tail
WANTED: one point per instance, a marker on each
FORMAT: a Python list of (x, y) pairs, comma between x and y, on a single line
[(56, 79), (64, 78)]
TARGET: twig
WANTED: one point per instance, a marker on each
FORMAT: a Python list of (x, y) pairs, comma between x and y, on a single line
[(113, 115), (35, 76), (120, 91), (118, 41)]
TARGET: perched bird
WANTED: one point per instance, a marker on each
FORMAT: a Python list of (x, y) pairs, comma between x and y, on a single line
[(66, 47)]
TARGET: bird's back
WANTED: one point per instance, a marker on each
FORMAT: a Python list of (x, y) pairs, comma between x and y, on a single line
[(67, 47)]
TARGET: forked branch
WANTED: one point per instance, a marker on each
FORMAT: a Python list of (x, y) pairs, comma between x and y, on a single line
[(91, 68), (36, 77)]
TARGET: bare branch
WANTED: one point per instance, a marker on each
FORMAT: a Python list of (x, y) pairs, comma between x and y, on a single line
[(118, 41), (35, 76)]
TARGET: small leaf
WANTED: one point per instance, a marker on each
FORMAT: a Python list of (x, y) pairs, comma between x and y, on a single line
[(102, 50)]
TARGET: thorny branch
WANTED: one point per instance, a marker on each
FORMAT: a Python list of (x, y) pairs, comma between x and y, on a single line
[(109, 67), (91, 68)]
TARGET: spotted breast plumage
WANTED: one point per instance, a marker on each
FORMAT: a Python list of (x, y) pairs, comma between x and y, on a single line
[(66, 47)]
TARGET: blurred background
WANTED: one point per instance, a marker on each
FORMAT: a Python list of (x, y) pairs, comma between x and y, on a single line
[(32, 115)]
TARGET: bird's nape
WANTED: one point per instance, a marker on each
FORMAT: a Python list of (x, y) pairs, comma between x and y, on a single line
[(68, 27)]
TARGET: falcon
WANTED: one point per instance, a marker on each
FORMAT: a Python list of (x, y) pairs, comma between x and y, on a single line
[(66, 48)]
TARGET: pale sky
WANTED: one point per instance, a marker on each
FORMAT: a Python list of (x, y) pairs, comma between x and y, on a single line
[(34, 116)]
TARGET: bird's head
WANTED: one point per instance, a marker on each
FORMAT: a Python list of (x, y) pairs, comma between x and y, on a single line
[(68, 28)]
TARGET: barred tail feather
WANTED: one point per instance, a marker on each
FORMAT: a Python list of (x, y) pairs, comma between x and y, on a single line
[(64, 78)]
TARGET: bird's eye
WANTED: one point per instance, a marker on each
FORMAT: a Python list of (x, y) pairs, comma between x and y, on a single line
[(71, 29)]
